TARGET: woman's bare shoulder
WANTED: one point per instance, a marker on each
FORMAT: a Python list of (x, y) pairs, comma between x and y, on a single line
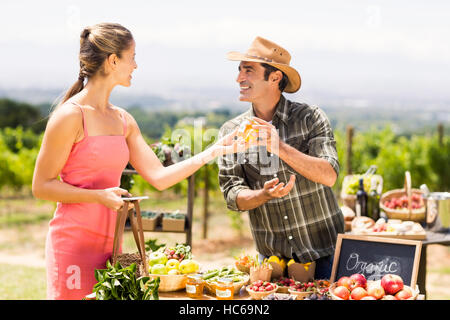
[(131, 122), (66, 114)]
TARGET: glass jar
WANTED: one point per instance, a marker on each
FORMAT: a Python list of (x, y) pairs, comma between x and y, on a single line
[(224, 289), (194, 286), (246, 130)]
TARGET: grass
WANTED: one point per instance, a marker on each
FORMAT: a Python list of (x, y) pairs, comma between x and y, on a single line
[(24, 224), (21, 218), (21, 282)]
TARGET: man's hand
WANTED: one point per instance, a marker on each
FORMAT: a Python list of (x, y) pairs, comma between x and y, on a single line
[(272, 189), (268, 135)]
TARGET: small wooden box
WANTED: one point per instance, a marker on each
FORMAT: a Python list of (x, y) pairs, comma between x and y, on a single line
[(170, 224), (150, 223)]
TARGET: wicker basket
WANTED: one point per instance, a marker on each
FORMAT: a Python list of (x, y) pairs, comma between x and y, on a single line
[(404, 213), (126, 259), (259, 295), (300, 295), (349, 200), (170, 282)]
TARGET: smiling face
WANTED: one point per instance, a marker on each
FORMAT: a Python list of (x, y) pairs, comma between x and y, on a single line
[(125, 65), (254, 87)]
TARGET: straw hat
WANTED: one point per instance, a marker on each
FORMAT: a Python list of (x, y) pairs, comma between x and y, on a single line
[(265, 51)]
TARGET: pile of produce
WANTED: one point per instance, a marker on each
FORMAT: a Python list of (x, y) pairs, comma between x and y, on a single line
[(262, 286), (356, 287), (244, 262), (180, 252), (402, 202), (366, 225), (285, 282), (225, 272), (172, 260), (147, 214), (119, 283), (317, 288), (351, 186), (174, 215)]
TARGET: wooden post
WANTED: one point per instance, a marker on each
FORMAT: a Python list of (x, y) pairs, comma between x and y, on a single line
[(349, 148), (441, 134), (190, 209), (205, 203)]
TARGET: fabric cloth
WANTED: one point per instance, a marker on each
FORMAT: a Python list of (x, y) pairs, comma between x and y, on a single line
[(80, 237), (304, 223)]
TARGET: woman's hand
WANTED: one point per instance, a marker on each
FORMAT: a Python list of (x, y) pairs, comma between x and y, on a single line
[(112, 197), (228, 144)]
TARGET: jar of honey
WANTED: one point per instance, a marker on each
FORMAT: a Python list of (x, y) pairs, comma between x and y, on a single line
[(246, 130), (224, 289), (194, 286)]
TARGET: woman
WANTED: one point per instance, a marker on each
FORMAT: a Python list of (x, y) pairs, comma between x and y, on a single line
[(87, 143)]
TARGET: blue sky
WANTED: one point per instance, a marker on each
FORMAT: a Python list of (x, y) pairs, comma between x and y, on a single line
[(398, 49)]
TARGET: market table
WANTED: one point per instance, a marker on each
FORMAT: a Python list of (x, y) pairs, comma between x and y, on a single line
[(434, 236), (181, 295), (243, 295)]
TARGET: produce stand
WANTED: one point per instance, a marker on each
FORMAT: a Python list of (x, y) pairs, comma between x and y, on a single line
[(190, 208), (441, 237), (181, 295)]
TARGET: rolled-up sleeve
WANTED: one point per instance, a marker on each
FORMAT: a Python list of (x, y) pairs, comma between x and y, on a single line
[(321, 139), (231, 176)]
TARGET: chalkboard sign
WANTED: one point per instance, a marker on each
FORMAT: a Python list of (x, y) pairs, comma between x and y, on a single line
[(374, 257)]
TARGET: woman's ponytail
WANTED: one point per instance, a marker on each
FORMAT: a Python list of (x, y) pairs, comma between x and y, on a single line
[(96, 44)]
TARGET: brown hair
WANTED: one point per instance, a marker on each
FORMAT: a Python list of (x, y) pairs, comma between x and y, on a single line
[(268, 69), (97, 43)]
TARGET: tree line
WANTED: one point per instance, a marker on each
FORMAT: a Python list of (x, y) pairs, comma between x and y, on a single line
[(425, 155)]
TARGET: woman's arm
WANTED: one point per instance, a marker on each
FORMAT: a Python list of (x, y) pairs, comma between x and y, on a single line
[(147, 164), (62, 130)]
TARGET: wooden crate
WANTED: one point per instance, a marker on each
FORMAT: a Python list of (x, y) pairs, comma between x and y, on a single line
[(169, 224)]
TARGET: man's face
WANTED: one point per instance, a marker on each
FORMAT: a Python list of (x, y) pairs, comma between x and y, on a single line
[(251, 81)]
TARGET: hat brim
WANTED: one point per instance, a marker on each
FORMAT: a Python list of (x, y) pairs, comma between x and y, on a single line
[(294, 78)]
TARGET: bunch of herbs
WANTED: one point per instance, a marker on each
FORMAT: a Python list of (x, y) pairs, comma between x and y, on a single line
[(119, 283)]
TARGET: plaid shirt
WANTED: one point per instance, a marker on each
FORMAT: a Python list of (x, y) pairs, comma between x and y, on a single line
[(303, 224)]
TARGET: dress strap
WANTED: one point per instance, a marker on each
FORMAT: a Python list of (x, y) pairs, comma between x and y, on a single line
[(85, 132)]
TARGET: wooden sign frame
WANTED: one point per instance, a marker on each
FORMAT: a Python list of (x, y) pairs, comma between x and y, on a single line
[(417, 244)]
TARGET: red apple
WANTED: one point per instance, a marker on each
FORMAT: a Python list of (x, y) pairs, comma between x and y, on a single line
[(358, 293), (345, 281), (403, 294), (358, 280), (368, 298), (392, 283), (342, 292), (375, 290)]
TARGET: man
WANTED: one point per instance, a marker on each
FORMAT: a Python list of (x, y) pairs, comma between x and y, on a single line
[(285, 181)]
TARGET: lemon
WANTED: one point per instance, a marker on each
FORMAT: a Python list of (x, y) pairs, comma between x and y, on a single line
[(283, 264), (292, 261), (306, 265), (274, 259)]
